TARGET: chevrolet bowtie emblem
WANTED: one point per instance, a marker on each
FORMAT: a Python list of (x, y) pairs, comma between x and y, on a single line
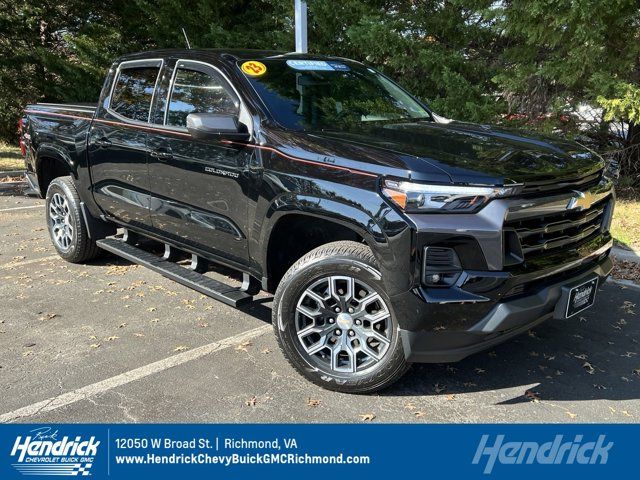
[(579, 201)]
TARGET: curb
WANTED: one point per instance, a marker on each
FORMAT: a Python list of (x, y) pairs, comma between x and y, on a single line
[(625, 255), (12, 173)]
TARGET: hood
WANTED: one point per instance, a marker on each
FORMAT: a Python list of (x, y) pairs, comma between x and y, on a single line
[(469, 153)]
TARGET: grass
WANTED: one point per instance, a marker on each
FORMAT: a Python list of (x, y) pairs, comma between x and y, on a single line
[(10, 158), (625, 227)]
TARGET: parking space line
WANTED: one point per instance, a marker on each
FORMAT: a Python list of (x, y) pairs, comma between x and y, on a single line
[(68, 398), (13, 209), (28, 262)]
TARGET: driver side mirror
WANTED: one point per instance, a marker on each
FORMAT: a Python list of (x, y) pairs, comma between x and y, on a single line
[(215, 126)]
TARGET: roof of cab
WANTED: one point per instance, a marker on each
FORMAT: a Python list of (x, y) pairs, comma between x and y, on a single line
[(221, 54)]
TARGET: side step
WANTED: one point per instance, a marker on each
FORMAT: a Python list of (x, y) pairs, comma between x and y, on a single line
[(208, 286)]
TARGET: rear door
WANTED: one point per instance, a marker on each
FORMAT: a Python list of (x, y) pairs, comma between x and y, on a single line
[(118, 143), (199, 188)]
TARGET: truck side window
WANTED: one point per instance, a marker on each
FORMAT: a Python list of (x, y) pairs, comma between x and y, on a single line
[(198, 92), (133, 92)]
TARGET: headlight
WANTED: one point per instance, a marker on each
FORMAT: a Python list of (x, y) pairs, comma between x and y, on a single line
[(420, 197)]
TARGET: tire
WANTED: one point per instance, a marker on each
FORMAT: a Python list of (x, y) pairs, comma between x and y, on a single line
[(67, 229), (336, 350)]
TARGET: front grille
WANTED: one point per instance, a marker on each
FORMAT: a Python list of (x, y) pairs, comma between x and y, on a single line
[(539, 235), (553, 186)]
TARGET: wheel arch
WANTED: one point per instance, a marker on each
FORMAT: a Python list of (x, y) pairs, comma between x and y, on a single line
[(321, 221), (52, 162)]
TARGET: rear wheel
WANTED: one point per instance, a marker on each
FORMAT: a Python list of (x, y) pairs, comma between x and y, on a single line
[(68, 232), (334, 321)]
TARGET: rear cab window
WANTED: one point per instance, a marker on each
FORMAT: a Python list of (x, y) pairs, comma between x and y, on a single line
[(134, 88)]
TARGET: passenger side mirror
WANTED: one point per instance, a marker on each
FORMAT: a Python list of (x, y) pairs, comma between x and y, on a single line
[(215, 126)]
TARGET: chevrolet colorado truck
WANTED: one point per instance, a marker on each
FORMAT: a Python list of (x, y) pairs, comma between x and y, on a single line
[(388, 234)]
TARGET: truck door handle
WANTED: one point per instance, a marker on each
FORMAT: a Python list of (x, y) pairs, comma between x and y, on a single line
[(103, 142), (161, 154)]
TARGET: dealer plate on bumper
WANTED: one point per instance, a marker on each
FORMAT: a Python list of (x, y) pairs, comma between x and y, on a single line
[(581, 297)]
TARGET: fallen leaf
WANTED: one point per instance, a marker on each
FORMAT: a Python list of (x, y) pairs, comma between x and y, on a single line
[(451, 396), (251, 402), (243, 347), (312, 402), (112, 338), (122, 325), (626, 413), (29, 345), (151, 309), (589, 368), (181, 348), (533, 396), (95, 345), (571, 415), (367, 417), (265, 350), (419, 414)]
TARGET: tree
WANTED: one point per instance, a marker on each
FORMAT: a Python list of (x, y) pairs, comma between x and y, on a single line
[(559, 54)]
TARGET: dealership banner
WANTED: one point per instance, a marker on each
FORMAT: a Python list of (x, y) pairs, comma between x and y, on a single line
[(317, 451)]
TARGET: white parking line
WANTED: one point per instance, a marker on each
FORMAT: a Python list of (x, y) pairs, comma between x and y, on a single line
[(13, 209), (68, 398), (28, 262)]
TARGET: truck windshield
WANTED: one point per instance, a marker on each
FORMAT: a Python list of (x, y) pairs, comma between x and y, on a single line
[(329, 95)]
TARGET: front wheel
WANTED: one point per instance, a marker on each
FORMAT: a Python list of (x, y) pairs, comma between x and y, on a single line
[(335, 323)]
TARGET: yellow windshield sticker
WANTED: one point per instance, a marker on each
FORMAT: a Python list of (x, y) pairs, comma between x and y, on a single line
[(253, 68)]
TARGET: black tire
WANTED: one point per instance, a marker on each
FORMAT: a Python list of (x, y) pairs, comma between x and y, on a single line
[(332, 260), (80, 247)]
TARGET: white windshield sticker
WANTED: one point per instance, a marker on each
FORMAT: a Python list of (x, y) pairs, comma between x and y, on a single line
[(317, 65)]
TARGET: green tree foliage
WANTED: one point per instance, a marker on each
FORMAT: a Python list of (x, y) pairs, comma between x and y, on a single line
[(480, 61)]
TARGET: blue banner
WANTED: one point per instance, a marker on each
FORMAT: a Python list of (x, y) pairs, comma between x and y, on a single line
[(161, 451)]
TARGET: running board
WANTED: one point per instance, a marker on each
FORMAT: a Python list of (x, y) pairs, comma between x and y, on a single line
[(222, 292)]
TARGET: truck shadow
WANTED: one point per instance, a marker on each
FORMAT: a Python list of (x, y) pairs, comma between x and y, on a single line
[(588, 357), (595, 355)]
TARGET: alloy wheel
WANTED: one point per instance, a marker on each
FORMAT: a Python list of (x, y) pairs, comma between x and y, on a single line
[(60, 221), (343, 325)]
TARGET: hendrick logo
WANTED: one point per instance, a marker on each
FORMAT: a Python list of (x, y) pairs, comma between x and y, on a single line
[(549, 453), (44, 452)]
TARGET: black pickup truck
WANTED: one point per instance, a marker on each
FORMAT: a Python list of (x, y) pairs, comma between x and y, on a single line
[(389, 235)]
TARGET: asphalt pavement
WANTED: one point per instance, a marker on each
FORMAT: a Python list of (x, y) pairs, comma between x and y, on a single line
[(110, 341)]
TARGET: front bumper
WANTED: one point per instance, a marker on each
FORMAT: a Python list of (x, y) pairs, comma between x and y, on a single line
[(504, 320)]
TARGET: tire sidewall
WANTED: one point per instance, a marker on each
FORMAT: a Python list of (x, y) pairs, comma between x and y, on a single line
[(62, 188), (292, 288)]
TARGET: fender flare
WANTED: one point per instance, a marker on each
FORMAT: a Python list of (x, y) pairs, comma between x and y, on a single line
[(349, 216), (56, 153)]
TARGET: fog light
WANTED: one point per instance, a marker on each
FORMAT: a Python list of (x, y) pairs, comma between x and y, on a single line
[(440, 267)]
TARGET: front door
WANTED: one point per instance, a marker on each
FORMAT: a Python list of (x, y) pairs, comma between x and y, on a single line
[(117, 144), (198, 188)]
